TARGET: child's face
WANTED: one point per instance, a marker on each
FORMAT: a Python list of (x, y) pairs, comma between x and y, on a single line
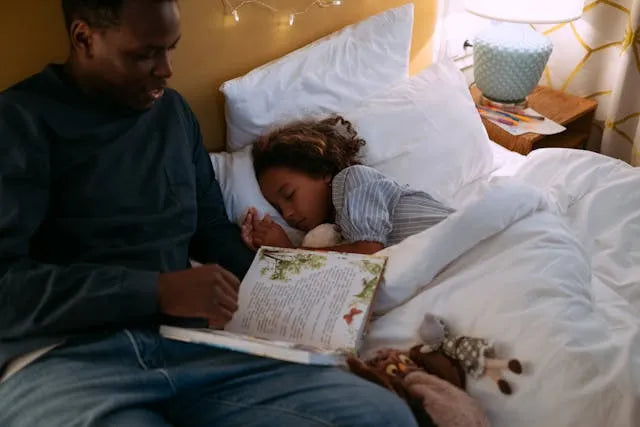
[(303, 201)]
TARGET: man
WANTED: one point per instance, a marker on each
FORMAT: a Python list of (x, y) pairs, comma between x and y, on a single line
[(105, 193)]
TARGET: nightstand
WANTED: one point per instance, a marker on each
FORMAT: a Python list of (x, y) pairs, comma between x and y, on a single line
[(573, 112)]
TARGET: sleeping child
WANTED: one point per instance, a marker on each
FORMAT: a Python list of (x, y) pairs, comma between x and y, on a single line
[(309, 171)]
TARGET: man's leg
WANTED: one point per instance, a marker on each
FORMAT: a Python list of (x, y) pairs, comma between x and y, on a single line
[(135, 417), (102, 382), (221, 388)]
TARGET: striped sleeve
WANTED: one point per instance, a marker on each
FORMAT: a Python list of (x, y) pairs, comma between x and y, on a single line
[(364, 200)]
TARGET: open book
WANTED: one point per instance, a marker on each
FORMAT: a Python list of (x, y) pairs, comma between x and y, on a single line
[(297, 305)]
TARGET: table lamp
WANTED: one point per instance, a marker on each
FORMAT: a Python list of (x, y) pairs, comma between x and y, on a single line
[(509, 56)]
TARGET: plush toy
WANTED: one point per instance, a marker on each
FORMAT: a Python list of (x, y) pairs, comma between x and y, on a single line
[(475, 354), (323, 236), (435, 398)]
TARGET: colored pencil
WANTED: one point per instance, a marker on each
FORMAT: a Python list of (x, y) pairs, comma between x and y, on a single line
[(497, 118), (522, 112), (496, 115), (515, 111), (512, 116), (531, 116)]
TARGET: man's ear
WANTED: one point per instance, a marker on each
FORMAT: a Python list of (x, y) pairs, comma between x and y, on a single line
[(81, 36)]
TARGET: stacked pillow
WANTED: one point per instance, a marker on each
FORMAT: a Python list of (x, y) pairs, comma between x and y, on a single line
[(423, 131), (332, 74)]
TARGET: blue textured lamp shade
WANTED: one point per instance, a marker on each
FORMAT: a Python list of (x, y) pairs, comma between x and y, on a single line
[(509, 56), (509, 60)]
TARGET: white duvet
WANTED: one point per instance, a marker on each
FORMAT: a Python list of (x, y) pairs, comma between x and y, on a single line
[(547, 264)]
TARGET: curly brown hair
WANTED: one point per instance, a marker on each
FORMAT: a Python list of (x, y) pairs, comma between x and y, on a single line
[(317, 148)]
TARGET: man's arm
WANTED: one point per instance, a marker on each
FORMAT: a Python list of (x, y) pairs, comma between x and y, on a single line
[(45, 299), (216, 240)]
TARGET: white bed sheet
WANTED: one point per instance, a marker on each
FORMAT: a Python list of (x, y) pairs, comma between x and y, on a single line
[(558, 288), (600, 197), (505, 163)]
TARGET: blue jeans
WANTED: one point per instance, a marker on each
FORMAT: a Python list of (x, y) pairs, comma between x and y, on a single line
[(137, 378)]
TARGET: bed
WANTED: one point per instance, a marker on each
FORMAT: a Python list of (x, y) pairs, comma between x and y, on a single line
[(562, 287), (542, 254)]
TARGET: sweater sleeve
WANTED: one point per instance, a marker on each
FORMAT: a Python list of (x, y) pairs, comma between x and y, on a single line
[(46, 299), (216, 240)]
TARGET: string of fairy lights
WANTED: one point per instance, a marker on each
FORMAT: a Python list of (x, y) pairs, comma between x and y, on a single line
[(292, 15)]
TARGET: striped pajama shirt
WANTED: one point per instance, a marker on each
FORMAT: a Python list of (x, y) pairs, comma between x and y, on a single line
[(371, 207)]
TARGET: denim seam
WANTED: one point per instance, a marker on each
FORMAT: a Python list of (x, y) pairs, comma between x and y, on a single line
[(166, 375), (271, 407), (136, 349)]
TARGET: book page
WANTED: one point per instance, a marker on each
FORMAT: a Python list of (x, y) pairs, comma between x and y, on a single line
[(311, 298)]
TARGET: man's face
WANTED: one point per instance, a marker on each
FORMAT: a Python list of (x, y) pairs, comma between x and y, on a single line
[(132, 60)]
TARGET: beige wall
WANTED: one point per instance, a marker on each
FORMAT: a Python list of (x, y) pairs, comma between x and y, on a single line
[(213, 49)]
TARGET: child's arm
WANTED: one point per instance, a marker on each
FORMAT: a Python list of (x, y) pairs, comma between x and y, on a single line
[(267, 232)]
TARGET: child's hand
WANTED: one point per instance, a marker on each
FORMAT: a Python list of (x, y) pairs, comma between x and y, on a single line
[(268, 233), (246, 229)]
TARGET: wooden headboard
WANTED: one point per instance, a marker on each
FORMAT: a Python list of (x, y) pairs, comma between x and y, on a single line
[(214, 48)]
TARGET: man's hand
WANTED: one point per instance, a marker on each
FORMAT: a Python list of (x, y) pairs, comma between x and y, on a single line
[(209, 292), (267, 232)]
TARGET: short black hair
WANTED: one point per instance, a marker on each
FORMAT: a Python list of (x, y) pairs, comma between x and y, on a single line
[(97, 13)]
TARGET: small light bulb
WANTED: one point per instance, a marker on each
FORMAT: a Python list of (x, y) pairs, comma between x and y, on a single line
[(336, 2), (292, 18), (235, 14)]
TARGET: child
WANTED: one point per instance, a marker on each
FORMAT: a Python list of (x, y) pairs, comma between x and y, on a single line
[(309, 171)]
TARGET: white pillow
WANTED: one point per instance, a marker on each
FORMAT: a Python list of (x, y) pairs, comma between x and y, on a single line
[(240, 189), (387, 122), (332, 74), (431, 118), (453, 148)]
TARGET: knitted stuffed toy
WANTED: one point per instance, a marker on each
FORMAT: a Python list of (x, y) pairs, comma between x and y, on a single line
[(431, 385), (475, 354), (323, 236)]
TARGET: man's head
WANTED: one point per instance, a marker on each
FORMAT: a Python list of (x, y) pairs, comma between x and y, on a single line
[(122, 48)]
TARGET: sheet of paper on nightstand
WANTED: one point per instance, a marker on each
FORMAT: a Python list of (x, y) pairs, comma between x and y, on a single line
[(546, 127)]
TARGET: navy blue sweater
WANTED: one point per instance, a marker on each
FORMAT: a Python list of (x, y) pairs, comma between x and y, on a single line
[(95, 202)]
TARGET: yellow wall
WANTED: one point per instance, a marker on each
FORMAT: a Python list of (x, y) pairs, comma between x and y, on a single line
[(213, 49), (31, 34)]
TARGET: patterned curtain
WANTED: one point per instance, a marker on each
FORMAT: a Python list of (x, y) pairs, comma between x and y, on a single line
[(598, 57)]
